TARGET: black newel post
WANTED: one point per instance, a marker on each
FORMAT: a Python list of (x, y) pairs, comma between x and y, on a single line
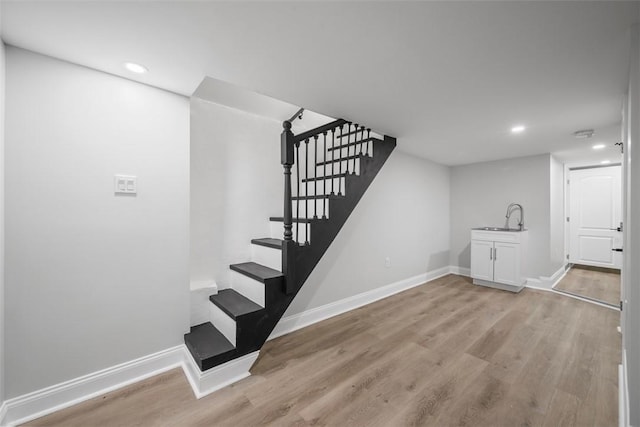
[(287, 144)]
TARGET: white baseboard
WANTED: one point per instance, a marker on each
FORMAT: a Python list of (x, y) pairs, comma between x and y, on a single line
[(294, 322), (204, 383), (51, 399), (460, 271), (54, 398), (623, 393), (545, 282), (3, 412)]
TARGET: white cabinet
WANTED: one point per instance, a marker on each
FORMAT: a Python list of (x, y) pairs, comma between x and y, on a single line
[(498, 259)]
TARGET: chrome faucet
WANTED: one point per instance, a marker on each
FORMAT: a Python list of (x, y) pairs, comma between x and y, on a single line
[(512, 207)]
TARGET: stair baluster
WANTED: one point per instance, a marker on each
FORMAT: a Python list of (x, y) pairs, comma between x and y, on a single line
[(324, 177), (315, 176), (340, 163), (369, 152), (333, 144), (306, 176), (298, 191)]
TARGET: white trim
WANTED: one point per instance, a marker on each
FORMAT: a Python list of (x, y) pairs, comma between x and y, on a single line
[(547, 283), (204, 383), (294, 322), (461, 271), (54, 398), (623, 392), (3, 412), (566, 294)]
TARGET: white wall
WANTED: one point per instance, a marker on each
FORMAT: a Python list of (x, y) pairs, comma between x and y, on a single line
[(92, 279), (236, 184), (404, 215), (556, 215), (2, 305), (480, 194)]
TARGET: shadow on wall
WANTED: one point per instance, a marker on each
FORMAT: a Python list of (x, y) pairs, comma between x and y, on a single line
[(438, 260), (464, 258)]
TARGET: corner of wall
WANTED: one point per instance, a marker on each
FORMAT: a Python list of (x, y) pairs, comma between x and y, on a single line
[(2, 310)]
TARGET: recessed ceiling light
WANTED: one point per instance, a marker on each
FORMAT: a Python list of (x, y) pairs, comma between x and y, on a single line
[(135, 68), (605, 162), (517, 129), (584, 133), (599, 146)]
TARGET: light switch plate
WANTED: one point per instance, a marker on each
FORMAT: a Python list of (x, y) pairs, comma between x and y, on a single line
[(125, 184)]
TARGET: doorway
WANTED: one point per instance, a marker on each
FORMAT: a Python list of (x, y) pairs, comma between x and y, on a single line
[(594, 222)]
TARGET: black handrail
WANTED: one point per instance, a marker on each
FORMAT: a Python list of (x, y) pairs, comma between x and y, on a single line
[(297, 115)]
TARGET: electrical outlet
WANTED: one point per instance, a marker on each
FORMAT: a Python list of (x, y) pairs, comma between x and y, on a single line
[(124, 184), (387, 262)]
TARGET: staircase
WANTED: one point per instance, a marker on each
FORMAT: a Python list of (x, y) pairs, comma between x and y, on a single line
[(333, 165)]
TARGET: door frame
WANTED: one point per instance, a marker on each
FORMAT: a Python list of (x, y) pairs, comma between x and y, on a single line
[(568, 167)]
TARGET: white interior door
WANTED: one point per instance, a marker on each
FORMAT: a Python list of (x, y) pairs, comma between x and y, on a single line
[(595, 211)]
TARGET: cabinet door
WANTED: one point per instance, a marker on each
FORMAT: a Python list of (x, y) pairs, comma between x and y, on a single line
[(506, 261), (482, 260)]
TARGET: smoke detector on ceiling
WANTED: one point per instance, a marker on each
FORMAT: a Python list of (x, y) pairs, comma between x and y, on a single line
[(585, 133)]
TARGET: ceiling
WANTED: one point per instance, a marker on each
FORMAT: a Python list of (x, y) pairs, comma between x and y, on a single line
[(448, 79)]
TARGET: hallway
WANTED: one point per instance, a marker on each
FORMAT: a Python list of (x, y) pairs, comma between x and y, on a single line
[(601, 284)]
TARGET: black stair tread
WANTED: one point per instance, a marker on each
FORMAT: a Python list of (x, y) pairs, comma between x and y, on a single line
[(205, 341), (268, 242), (341, 159), (256, 271), (233, 303), (281, 219), (344, 135), (351, 144), (320, 178), (317, 197)]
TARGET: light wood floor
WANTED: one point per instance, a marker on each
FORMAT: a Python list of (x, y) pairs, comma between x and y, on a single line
[(443, 354), (602, 284)]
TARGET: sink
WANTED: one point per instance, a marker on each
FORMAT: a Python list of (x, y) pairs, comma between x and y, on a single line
[(497, 229)]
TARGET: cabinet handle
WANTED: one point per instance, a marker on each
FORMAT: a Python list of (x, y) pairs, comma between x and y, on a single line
[(495, 254), (491, 253)]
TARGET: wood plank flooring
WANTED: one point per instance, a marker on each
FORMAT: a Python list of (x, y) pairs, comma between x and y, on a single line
[(447, 353), (601, 284)]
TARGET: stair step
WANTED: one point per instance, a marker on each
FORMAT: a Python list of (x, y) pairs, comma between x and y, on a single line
[(320, 178), (208, 346), (233, 303), (344, 135), (351, 144), (281, 219), (268, 242), (341, 159), (316, 197), (256, 271)]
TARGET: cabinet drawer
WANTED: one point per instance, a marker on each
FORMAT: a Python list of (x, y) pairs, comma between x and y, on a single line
[(497, 236)]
